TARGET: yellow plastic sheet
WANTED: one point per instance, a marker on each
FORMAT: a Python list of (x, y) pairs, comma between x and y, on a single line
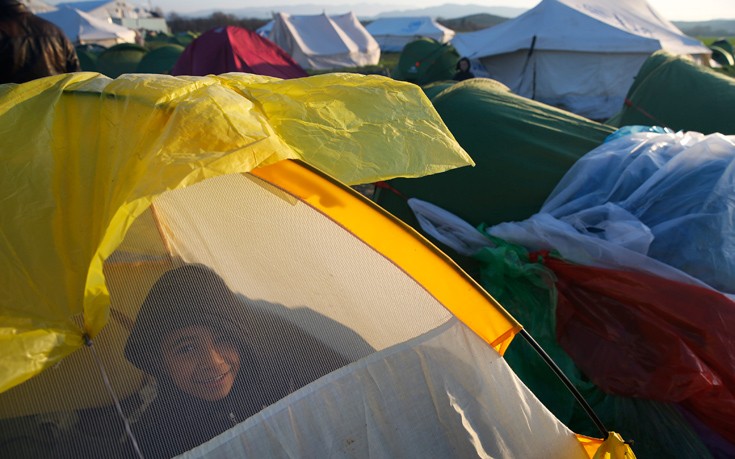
[(83, 156)]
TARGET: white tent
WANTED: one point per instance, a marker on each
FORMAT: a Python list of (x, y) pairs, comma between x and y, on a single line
[(322, 42), (392, 34), (581, 55), (83, 28)]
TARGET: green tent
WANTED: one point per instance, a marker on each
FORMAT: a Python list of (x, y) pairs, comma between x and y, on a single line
[(425, 61), (87, 60), (674, 92), (119, 59), (160, 60), (521, 147)]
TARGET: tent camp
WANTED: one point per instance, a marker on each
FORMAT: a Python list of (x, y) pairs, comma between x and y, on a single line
[(322, 42), (671, 91), (82, 28), (392, 34), (580, 55), (213, 228), (234, 49)]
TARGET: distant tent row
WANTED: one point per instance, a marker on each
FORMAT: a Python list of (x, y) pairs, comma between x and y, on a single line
[(580, 55)]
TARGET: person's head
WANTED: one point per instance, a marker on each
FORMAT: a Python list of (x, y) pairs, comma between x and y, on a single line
[(187, 334), (463, 64)]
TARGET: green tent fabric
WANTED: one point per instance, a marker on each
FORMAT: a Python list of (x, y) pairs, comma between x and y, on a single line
[(526, 290), (521, 148), (426, 60), (674, 92), (87, 60), (160, 60), (119, 59)]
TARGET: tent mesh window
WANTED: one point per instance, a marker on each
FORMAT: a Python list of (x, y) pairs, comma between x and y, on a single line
[(246, 323)]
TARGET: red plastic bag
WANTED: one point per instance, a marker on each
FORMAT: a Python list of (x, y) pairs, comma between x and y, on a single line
[(644, 336)]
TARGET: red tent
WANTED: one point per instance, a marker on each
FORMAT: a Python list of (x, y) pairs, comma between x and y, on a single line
[(234, 49)]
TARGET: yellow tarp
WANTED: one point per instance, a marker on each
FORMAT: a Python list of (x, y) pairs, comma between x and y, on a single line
[(83, 156)]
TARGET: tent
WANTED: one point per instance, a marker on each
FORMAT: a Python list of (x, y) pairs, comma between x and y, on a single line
[(671, 91), (160, 59), (119, 59), (521, 148), (321, 42), (425, 61), (392, 34), (82, 28), (197, 172), (579, 55), (234, 49)]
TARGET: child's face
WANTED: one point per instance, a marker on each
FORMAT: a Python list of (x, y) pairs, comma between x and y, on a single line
[(201, 362)]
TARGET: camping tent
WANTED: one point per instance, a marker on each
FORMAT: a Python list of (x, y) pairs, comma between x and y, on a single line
[(670, 91), (581, 55), (83, 28), (234, 49), (322, 42), (195, 172), (160, 59), (425, 61), (119, 59), (392, 34), (521, 148)]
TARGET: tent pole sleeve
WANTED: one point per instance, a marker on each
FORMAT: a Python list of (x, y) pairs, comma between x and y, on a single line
[(555, 368)]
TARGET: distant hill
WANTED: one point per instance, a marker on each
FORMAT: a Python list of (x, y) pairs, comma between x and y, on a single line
[(716, 28), (472, 22), (365, 11)]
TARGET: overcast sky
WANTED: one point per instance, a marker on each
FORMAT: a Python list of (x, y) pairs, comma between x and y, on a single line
[(674, 10)]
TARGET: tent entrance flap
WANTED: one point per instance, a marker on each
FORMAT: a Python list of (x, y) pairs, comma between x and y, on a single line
[(242, 306)]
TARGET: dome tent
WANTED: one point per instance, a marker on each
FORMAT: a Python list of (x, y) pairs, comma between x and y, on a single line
[(425, 61), (234, 49), (436, 349)]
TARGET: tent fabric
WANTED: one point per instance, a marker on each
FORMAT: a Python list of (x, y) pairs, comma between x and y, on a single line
[(522, 148), (119, 59), (160, 59), (235, 49), (161, 122), (392, 34), (425, 60), (418, 367), (671, 91), (577, 54), (196, 173), (83, 28), (321, 42)]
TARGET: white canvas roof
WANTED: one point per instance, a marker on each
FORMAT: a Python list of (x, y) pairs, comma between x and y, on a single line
[(82, 27), (579, 54), (322, 42), (392, 34)]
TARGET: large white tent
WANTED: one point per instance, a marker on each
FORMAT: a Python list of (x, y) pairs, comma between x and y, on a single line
[(581, 55), (392, 34), (82, 28), (322, 42)]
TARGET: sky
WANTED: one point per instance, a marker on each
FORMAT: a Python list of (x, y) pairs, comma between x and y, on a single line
[(673, 10)]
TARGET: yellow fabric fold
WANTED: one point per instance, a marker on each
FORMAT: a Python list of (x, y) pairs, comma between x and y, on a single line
[(83, 156)]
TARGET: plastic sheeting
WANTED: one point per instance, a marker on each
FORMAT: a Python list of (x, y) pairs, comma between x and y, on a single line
[(78, 151)]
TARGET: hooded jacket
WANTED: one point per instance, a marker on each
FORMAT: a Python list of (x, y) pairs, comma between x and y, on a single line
[(31, 47), (192, 295)]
